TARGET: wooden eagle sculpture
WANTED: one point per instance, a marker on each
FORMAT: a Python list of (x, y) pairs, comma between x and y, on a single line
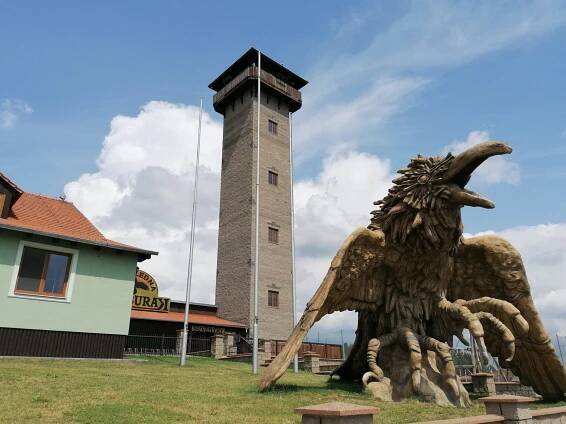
[(416, 283)]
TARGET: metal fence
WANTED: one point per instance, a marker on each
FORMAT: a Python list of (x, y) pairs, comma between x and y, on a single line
[(465, 366), (166, 345), (244, 345), (325, 350)]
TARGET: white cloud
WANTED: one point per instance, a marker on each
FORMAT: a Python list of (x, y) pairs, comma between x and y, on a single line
[(142, 195), (142, 192), (543, 249), (327, 209), (96, 194), (497, 169), (11, 110), (337, 200)]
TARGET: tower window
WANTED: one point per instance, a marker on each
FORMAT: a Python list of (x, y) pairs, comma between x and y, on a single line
[(273, 298), (272, 126), (272, 178), (273, 235)]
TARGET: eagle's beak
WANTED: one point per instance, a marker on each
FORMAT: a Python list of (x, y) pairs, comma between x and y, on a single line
[(465, 163)]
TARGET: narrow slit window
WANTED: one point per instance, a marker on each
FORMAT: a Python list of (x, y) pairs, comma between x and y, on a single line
[(272, 178), (272, 126), (273, 298), (273, 235)]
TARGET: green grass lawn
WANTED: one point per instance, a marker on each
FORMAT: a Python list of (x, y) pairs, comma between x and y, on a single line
[(158, 391)]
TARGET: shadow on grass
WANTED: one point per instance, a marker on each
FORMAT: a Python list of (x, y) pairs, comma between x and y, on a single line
[(331, 385), (347, 386)]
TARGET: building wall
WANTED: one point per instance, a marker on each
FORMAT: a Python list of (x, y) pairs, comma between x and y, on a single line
[(236, 246), (101, 296), (275, 272), (234, 267)]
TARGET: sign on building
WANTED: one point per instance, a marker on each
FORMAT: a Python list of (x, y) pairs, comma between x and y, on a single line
[(146, 294)]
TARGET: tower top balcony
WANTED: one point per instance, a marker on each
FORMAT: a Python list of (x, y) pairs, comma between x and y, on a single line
[(274, 76)]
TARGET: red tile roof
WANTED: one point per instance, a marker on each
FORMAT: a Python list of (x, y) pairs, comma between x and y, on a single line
[(194, 318), (57, 218)]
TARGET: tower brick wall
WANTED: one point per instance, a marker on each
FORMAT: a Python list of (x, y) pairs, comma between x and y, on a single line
[(237, 101)]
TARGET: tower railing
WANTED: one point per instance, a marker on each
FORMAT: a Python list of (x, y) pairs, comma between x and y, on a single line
[(266, 77)]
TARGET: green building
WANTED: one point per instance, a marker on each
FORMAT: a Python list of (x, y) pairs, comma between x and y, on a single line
[(65, 289)]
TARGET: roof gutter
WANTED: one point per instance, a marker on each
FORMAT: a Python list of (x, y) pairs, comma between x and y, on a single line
[(142, 254)]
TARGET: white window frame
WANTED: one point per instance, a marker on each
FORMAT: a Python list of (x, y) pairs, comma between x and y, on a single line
[(52, 248)]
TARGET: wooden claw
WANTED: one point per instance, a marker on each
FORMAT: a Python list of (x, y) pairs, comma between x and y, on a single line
[(503, 332), (521, 324), (415, 357), (510, 347), (416, 380), (448, 368), (498, 307), (374, 346), (451, 382), (370, 376), (460, 312)]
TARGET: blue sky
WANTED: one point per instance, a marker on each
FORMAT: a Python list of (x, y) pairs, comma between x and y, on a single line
[(387, 80), (79, 65)]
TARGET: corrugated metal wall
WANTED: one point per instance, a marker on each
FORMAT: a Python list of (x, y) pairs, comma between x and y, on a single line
[(62, 344)]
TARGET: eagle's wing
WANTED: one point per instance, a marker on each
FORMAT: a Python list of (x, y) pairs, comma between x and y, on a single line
[(490, 266), (352, 283)]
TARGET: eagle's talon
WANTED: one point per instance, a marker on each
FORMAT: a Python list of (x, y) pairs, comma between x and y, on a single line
[(499, 309), (368, 376), (416, 381), (459, 312), (453, 385), (448, 368), (414, 343), (503, 332)]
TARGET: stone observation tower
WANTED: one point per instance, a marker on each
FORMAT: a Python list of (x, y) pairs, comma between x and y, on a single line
[(236, 100)]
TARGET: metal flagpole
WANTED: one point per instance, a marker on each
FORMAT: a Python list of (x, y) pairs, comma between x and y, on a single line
[(294, 301), (342, 341), (191, 247), (256, 277), (473, 352), (559, 349)]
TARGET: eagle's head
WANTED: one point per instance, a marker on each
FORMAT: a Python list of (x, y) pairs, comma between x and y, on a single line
[(422, 209)]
